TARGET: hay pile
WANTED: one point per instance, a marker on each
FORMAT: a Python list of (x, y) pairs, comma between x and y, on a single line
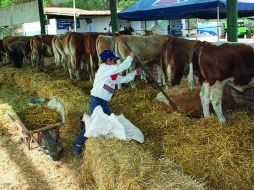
[(219, 155), (121, 165), (37, 117), (132, 168)]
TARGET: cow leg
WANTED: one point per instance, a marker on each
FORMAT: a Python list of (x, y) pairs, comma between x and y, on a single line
[(33, 59), (63, 61), (70, 65), (77, 62), (191, 78), (91, 67), (143, 76), (159, 71), (168, 78), (83, 60), (133, 85), (177, 76), (216, 99), (205, 98), (57, 59)]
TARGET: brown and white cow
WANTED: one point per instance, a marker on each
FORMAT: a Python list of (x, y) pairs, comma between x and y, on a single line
[(57, 47), (41, 47), (231, 64), (147, 48), (10, 39), (176, 55), (73, 47), (1, 50), (79, 45), (104, 42)]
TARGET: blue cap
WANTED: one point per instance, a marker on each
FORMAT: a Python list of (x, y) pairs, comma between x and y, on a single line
[(108, 54)]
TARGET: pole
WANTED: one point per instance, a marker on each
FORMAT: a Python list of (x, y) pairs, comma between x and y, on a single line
[(41, 15), (74, 15), (113, 11), (188, 27), (218, 22), (197, 30), (232, 15)]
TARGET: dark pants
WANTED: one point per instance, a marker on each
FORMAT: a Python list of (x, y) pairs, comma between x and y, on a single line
[(94, 102)]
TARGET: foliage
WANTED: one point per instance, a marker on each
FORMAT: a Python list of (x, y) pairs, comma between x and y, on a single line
[(5, 3), (123, 4), (88, 4), (82, 4)]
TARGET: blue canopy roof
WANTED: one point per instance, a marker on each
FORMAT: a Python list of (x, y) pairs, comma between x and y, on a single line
[(178, 9)]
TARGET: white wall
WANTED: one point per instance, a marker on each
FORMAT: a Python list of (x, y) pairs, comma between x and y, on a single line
[(100, 23), (32, 28), (51, 28)]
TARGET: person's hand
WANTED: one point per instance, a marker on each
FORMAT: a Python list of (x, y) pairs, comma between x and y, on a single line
[(132, 54), (138, 71)]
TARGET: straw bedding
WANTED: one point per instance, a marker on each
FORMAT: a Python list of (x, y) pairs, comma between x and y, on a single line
[(175, 145), (37, 117)]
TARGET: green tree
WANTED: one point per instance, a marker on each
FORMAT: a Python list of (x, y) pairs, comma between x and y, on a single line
[(5, 3), (123, 4), (88, 4)]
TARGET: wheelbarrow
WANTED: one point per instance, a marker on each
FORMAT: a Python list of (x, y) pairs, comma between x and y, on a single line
[(47, 137)]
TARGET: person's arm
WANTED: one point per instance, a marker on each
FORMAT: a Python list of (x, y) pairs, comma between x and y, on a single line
[(125, 79), (115, 69)]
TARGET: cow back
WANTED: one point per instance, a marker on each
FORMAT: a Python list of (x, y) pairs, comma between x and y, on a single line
[(147, 48), (227, 61), (10, 39)]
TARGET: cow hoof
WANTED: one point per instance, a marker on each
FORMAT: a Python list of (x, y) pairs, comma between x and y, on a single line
[(223, 120)]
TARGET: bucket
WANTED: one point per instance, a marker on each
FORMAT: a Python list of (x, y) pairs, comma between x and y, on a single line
[(37, 101)]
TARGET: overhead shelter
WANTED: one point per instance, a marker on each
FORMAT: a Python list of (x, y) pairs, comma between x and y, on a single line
[(63, 12), (180, 9)]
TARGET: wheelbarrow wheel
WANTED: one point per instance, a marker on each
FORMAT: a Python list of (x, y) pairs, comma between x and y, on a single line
[(50, 146)]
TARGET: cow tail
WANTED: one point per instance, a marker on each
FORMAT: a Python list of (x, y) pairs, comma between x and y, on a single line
[(97, 49), (73, 65), (165, 59), (116, 48), (55, 52)]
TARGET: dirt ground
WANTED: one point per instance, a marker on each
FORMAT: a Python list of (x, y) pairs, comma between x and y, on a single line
[(32, 169)]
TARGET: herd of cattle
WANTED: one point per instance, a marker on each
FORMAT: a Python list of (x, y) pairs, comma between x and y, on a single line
[(214, 65)]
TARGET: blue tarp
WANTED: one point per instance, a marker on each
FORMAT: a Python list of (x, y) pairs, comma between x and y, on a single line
[(178, 9)]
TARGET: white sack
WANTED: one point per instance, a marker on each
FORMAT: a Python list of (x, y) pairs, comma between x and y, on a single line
[(100, 124)]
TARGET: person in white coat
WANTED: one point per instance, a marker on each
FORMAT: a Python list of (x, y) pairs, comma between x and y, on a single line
[(103, 89)]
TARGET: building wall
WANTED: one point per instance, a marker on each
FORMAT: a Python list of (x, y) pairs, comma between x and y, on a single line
[(100, 23), (32, 28)]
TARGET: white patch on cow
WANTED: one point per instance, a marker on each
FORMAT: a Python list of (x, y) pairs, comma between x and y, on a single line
[(57, 56), (91, 73), (77, 73), (191, 78), (216, 99), (169, 73), (49, 51), (205, 98), (159, 71), (143, 76)]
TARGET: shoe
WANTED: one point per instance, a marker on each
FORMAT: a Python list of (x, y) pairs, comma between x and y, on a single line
[(77, 150)]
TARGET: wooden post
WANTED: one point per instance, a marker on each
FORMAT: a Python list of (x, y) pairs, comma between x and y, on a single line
[(113, 11), (232, 15), (41, 15)]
